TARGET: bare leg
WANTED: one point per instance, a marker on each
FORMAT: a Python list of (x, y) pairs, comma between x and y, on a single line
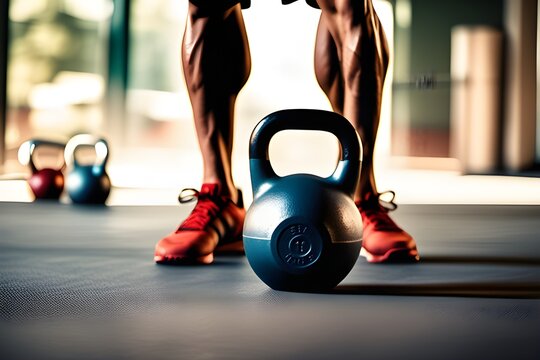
[(216, 63), (350, 64), (351, 59)]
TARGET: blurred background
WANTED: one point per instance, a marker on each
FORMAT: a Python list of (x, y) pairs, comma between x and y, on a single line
[(459, 121)]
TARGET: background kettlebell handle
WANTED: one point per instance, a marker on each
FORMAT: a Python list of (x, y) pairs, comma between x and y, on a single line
[(26, 151), (100, 145), (347, 172)]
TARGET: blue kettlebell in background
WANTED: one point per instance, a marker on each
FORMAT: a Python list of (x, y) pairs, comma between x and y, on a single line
[(87, 184), (303, 232)]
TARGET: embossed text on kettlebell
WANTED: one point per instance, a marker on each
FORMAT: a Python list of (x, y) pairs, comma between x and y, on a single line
[(299, 245)]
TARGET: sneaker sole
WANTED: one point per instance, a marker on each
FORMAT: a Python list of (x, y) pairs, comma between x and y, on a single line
[(392, 256), (177, 260), (229, 249)]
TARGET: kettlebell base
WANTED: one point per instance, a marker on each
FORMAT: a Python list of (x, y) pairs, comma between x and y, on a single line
[(335, 263)]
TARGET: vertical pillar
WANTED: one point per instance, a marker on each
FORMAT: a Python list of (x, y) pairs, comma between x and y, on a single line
[(117, 81), (401, 98), (520, 99), (475, 111), (4, 37)]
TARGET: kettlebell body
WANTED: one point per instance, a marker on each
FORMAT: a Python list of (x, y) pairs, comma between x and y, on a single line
[(45, 183), (303, 232), (87, 184)]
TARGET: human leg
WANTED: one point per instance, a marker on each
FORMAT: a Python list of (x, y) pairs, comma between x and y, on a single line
[(351, 60), (216, 63), (350, 34)]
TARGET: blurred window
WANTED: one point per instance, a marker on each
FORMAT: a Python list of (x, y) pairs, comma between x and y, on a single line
[(56, 69)]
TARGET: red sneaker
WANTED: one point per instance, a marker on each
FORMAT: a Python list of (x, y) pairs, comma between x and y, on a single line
[(383, 240), (214, 225)]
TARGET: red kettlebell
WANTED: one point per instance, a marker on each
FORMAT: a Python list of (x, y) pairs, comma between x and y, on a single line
[(46, 183)]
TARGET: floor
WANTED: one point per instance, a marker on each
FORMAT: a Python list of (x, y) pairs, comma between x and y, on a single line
[(79, 282)]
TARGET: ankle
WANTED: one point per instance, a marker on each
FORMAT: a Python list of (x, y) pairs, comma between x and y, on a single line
[(378, 201), (226, 189), (365, 194)]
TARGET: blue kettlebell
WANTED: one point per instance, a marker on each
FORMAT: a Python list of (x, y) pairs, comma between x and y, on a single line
[(87, 184), (303, 232)]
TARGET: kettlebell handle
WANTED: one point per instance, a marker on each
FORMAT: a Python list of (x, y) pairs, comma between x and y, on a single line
[(100, 145), (26, 151), (347, 171)]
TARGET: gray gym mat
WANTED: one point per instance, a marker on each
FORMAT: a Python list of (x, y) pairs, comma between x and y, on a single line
[(79, 282)]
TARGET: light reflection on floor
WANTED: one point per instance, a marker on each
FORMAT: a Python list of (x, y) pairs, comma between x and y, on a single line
[(151, 182)]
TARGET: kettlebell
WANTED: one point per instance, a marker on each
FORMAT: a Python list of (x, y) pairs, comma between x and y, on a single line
[(45, 183), (303, 232), (87, 184)]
